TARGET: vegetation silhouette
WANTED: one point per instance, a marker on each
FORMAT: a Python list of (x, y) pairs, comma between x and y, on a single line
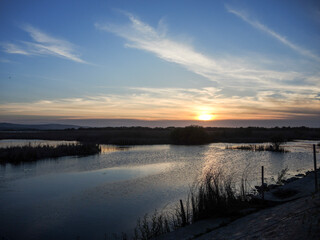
[(149, 136), (191, 135), (275, 146), (30, 153), (276, 143), (259, 148)]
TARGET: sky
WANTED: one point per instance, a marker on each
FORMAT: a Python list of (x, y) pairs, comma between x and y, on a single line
[(64, 61)]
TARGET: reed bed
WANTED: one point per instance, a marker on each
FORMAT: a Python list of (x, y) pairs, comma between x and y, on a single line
[(257, 148), (216, 196), (213, 196), (30, 153)]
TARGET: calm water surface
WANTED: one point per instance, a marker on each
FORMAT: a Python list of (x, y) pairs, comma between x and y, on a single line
[(88, 197)]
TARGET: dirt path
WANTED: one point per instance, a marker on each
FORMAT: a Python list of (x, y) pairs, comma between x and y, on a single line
[(299, 219)]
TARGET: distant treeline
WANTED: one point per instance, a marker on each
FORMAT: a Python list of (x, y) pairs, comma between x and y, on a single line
[(30, 153), (169, 135)]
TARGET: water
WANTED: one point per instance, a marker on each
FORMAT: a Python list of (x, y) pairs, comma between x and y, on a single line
[(89, 197)]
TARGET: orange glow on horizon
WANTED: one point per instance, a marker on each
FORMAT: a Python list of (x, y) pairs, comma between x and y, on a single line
[(205, 117)]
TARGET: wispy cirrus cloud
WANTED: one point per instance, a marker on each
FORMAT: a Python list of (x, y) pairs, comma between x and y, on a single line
[(228, 71), (277, 36), (43, 44), (14, 49), (144, 37)]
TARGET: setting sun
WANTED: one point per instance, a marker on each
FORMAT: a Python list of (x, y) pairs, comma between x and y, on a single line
[(205, 117)]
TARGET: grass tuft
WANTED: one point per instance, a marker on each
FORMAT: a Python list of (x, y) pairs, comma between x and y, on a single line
[(216, 196), (282, 176)]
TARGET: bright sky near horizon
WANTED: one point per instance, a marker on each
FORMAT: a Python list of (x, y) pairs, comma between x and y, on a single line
[(156, 60)]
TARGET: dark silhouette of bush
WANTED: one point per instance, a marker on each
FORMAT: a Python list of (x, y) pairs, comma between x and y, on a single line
[(191, 135), (277, 142)]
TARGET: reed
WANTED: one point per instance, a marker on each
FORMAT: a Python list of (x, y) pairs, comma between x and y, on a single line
[(258, 148), (30, 153), (213, 196), (217, 196)]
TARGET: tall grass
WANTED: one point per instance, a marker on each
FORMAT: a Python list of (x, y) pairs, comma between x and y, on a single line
[(151, 227), (281, 176), (30, 153), (216, 196), (213, 196)]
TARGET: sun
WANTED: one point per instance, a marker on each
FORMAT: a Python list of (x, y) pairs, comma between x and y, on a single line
[(205, 117)]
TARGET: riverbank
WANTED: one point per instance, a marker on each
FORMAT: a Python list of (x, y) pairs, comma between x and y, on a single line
[(149, 136), (296, 216)]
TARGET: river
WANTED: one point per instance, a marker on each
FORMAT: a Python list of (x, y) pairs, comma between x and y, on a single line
[(95, 196)]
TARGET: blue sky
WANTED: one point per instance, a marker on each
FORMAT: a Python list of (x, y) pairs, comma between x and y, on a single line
[(159, 60)]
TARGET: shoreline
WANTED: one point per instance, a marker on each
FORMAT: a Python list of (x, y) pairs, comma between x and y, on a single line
[(151, 136), (281, 208)]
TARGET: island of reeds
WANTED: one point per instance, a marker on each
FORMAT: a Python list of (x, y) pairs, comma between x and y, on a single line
[(29, 153)]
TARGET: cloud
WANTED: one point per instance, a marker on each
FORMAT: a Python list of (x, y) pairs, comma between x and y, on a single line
[(272, 33), (14, 49), (226, 72), (174, 104), (142, 36), (43, 44)]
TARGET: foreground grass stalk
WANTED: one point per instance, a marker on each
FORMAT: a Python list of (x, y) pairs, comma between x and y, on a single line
[(213, 196)]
